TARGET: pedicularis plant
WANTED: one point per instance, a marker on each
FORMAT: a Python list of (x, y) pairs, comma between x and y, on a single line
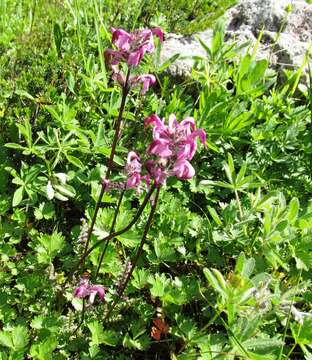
[(172, 147), (110, 246)]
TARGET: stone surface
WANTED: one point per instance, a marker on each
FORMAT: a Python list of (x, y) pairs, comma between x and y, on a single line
[(286, 38)]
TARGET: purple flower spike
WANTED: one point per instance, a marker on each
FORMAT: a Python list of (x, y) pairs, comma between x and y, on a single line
[(173, 145)]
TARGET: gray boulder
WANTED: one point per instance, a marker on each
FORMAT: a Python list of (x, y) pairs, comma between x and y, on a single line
[(287, 26)]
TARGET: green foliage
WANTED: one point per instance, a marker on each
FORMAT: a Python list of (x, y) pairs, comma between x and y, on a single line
[(227, 263)]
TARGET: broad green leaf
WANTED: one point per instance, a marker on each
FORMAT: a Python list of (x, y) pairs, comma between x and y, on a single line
[(101, 336)]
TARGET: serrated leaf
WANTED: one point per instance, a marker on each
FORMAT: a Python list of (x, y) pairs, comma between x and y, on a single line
[(6, 339)]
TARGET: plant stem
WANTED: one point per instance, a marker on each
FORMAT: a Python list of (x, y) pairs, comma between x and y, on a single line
[(125, 91), (138, 254), (239, 204), (110, 232), (119, 232)]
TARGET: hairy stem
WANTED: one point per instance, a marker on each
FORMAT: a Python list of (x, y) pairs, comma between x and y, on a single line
[(125, 91), (138, 254)]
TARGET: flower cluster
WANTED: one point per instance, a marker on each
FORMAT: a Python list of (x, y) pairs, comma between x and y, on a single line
[(132, 46), (85, 289), (173, 146), (131, 49), (146, 80)]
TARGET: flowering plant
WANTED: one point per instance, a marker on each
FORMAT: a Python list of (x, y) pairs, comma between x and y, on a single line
[(172, 147)]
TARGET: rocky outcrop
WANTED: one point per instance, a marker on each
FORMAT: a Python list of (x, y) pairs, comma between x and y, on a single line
[(287, 34)]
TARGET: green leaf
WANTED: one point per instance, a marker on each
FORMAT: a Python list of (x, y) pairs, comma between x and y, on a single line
[(18, 196), (214, 282), (293, 210), (214, 215), (159, 283), (100, 336), (65, 190), (6, 339), (218, 37), (20, 337), (53, 243), (75, 161), (44, 350), (24, 93)]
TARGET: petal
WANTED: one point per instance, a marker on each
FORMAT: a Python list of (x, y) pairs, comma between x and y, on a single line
[(148, 80), (121, 39), (153, 120), (201, 134), (187, 150), (147, 41), (132, 156), (134, 181), (158, 32), (172, 122), (96, 289), (188, 122), (160, 148), (105, 184), (119, 77), (183, 170), (81, 291), (112, 57), (135, 57)]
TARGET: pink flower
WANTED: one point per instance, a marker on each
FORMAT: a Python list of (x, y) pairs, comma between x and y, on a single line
[(133, 169), (96, 290), (157, 172), (132, 46), (183, 170), (173, 145), (174, 139), (133, 163), (83, 289), (133, 181), (86, 289), (147, 80)]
